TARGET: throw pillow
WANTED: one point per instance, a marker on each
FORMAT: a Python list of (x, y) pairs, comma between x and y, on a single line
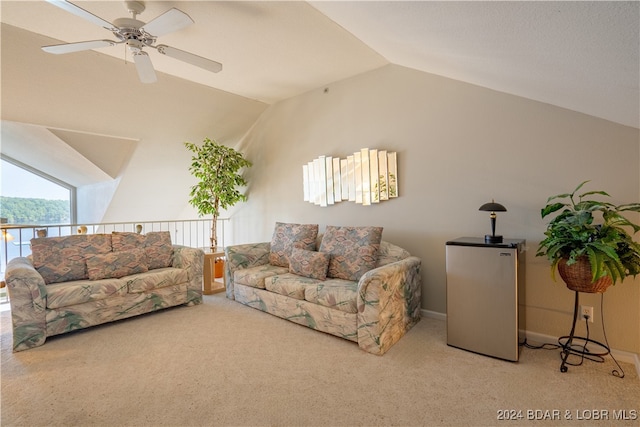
[(354, 250), (125, 241), (157, 245), (310, 264), (159, 249), (286, 237), (117, 264), (62, 259)]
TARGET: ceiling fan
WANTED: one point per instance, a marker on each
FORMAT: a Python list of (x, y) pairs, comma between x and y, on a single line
[(136, 35)]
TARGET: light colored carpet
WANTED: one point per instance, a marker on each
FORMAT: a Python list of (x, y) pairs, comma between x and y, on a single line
[(222, 363)]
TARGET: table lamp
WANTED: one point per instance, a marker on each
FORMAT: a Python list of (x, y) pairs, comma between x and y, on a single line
[(492, 207)]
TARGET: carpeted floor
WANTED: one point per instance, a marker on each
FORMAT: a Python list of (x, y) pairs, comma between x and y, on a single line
[(222, 363)]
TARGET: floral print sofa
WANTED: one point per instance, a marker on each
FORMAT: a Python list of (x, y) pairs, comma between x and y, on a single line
[(78, 281), (347, 282)]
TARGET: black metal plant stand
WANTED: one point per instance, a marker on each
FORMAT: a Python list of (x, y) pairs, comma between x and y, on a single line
[(568, 347)]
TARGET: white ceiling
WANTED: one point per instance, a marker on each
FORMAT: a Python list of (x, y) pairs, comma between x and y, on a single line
[(583, 56)]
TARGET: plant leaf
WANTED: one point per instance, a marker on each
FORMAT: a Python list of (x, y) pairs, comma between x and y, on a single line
[(549, 209)]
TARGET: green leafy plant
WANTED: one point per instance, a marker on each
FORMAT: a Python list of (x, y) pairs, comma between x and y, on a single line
[(216, 166), (573, 234)]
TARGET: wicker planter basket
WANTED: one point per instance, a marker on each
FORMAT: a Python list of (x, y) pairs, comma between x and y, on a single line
[(578, 277)]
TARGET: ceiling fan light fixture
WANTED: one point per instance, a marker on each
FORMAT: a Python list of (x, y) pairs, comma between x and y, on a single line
[(135, 46)]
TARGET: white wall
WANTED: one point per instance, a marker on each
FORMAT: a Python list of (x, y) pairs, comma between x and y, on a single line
[(458, 147)]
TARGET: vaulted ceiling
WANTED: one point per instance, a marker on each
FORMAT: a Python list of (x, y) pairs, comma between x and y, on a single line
[(583, 56)]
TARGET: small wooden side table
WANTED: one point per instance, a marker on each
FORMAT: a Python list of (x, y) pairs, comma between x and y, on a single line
[(211, 284)]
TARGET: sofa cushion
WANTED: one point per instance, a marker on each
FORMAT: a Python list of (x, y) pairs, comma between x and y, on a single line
[(354, 250), (117, 264), (286, 237), (66, 294), (289, 284), (334, 293), (255, 276), (62, 259), (157, 245), (155, 279), (310, 264)]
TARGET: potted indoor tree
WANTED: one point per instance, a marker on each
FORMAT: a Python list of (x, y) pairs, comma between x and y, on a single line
[(217, 167), (588, 240)]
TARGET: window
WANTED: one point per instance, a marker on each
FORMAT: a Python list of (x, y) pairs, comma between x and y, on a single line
[(31, 197)]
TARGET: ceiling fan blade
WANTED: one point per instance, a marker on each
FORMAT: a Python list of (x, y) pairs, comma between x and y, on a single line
[(78, 11), (190, 58), (170, 21), (77, 47), (146, 73)]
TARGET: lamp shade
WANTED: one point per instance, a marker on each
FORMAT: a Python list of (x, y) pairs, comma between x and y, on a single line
[(492, 207)]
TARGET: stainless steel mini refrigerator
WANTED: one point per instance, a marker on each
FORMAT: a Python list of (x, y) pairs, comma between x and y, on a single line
[(485, 296)]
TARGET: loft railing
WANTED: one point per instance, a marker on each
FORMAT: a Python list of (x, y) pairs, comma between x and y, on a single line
[(16, 239)]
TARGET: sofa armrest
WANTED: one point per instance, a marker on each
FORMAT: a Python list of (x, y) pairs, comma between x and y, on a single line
[(244, 256), (192, 260), (28, 299), (389, 299)]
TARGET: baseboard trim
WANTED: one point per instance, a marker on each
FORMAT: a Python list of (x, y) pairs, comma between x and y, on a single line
[(620, 355), (434, 314)]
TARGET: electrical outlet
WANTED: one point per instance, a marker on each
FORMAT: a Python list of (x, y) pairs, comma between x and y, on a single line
[(587, 311)]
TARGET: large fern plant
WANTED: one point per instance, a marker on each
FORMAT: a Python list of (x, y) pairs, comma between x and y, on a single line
[(604, 240)]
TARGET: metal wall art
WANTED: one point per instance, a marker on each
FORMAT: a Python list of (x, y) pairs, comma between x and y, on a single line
[(367, 177)]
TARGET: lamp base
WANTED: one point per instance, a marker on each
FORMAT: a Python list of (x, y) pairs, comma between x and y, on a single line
[(488, 238)]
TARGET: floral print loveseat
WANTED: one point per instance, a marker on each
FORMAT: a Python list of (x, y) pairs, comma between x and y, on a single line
[(78, 281), (347, 282)]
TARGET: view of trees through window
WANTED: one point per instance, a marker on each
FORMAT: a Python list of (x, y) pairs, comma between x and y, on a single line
[(20, 210), (31, 198)]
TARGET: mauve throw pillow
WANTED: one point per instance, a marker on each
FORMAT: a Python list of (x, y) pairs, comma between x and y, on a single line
[(310, 264), (354, 250), (286, 237)]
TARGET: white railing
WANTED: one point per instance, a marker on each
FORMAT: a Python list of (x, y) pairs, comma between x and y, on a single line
[(16, 239)]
